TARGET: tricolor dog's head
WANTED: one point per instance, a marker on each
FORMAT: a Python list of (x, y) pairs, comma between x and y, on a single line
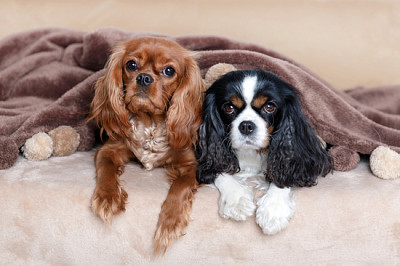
[(255, 109)]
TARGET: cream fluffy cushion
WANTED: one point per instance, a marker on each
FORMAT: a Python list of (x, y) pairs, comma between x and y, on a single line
[(350, 217)]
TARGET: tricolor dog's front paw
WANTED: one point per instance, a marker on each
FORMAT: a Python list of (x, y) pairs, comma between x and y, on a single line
[(274, 211), (237, 205), (236, 201)]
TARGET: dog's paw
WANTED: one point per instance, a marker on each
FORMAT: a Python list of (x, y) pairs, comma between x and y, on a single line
[(237, 205), (273, 213), (108, 202), (165, 234), (171, 225)]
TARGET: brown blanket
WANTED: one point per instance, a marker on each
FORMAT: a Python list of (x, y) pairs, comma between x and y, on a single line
[(47, 77)]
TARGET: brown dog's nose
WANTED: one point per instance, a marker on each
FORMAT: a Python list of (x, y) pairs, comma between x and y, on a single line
[(144, 80)]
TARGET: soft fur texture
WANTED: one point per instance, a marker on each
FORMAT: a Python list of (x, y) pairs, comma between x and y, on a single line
[(385, 163), (38, 147), (61, 141), (253, 125), (348, 218), (149, 103), (47, 77), (65, 140)]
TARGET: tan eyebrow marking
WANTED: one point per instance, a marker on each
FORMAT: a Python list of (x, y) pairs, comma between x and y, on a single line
[(259, 101), (236, 101)]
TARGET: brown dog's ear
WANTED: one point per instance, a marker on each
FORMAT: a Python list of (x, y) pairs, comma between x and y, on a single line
[(184, 113), (108, 106)]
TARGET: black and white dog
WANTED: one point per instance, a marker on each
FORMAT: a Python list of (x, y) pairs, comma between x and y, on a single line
[(253, 126)]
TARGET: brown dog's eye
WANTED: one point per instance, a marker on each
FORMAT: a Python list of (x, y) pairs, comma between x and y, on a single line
[(269, 108), (229, 109), (168, 71), (131, 65)]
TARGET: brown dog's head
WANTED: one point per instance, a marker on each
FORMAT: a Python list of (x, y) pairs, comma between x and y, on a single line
[(154, 76)]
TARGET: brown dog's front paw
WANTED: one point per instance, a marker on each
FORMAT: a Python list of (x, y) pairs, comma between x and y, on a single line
[(171, 225), (166, 234), (108, 202)]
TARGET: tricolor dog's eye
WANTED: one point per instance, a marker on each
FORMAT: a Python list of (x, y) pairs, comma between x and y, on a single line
[(229, 109), (131, 65), (269, 108)]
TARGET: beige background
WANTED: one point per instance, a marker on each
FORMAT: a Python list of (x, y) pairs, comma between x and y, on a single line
[(346, 42)]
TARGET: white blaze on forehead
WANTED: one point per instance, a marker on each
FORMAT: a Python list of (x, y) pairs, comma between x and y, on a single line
[(257, 139), (249, 88)]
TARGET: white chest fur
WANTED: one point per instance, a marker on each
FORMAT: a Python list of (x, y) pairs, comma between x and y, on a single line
[(251, 162), (149, 144)]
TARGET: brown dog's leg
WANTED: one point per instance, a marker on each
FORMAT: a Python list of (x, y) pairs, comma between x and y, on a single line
[(176, 209), (109, 197)]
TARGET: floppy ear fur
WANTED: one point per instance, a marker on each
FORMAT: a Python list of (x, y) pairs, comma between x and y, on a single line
[(108, 106), (214, 152), (295, 154), (184, 113)]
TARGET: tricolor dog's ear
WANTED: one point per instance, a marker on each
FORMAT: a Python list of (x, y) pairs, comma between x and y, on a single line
[(296, 156), (214, 152)]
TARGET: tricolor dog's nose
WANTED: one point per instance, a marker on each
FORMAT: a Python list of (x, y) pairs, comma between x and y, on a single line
[(247, 127)]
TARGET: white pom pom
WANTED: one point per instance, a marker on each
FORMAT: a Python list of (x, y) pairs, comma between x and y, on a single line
[(38, 147), (385, 163)]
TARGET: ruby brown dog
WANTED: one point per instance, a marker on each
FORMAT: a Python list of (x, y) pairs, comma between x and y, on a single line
[(149, 103)]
